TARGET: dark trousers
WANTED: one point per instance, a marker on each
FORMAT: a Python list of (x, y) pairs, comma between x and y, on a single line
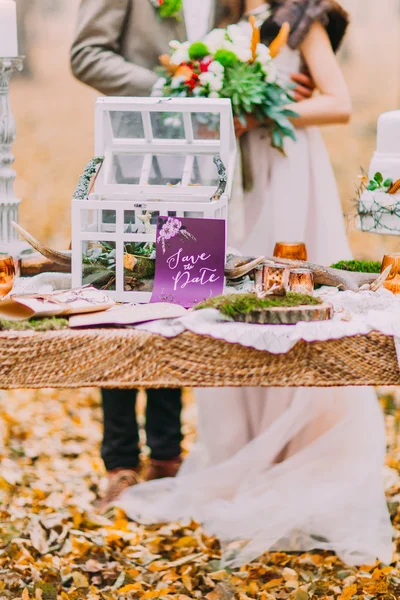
[(120, 448)]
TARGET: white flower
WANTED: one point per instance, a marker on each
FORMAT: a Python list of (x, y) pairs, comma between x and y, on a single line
[(242, 52), (177, 82), (271, 73), (240, 34), (216, 84), (263, 54), (213, 95), (216, 68), (158, 87), (214, 40), (206, 78), (181, 53), (174, 44)]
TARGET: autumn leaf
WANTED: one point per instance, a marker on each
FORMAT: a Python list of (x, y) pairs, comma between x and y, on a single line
[(155, 593), (348, 592), (273, 584), (131, 587)]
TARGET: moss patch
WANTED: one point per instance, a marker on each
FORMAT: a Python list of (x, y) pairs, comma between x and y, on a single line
[(235, 304), (45, 324), (358, 266)]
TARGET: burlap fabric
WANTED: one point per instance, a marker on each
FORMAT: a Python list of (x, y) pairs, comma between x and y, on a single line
[(126, 358)]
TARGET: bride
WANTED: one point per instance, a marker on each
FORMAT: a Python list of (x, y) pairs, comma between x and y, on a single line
[(287, 469)]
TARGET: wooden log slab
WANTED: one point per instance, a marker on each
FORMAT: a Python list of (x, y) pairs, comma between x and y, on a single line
[(287, 315)]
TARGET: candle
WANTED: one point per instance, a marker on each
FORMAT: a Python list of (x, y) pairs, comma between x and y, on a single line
[(259, 279), (8, 29)]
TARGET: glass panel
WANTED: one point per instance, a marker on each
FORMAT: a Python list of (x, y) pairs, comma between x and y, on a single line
[(193, 215), (139, 266), (139, 221), (126, 169), (204, 171), (98, 265), (206, 126), (167, 126), (166, 170), (130, 225), (98, 221), (127, 124)]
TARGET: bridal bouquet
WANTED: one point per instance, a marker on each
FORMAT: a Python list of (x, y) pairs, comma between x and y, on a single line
[(231, 63)]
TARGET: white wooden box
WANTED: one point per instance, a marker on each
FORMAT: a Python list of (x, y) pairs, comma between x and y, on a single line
[(158, 161)]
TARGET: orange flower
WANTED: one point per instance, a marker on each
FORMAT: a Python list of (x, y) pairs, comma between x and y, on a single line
[(165, 60), (184, 71), (280, 41), (255, 38)]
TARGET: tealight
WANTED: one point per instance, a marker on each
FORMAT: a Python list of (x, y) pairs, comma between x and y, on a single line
[(276, 279), (301, 281)]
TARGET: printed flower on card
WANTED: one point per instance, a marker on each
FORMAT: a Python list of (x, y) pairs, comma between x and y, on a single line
[(171, 227)]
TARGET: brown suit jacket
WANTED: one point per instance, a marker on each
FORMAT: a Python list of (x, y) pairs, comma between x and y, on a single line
[(117, 42)]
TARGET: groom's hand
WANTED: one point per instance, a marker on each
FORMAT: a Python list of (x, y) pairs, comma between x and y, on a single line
[(305, 86)]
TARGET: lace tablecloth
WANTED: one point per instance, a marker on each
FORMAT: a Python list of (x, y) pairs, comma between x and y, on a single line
[(355, 314)]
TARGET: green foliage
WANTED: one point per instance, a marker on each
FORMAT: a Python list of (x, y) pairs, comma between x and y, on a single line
[(170, 8), (198, 50), (235, 304), (358, 266), (377, 183), (245, 85), (45, 324), (227, 58)]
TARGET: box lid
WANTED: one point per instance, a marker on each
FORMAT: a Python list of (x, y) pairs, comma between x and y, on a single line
[(163, 147)]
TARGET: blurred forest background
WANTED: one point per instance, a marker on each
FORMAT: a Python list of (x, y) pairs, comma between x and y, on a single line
[(54, 113)]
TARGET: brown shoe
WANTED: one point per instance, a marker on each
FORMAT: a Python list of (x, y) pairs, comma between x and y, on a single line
[(118, 481), (158, 469)]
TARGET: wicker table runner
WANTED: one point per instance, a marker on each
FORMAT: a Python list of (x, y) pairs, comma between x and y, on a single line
[(126, 358)]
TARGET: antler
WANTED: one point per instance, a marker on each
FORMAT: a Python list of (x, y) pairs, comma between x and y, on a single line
[(60, 258), (345, 280)]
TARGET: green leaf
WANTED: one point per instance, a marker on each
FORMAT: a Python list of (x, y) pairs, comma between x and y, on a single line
[(372, 186), (388, 183), (378, 178)]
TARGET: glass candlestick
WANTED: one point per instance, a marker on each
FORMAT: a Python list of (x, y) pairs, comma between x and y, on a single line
[(301, 281), (7, 275)]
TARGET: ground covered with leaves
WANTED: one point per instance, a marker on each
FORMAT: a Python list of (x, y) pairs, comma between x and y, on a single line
[(53, 546)]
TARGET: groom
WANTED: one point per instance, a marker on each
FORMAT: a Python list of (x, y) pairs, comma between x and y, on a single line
[(115, 50)]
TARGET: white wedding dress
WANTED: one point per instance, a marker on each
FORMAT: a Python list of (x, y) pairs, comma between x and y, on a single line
[(285, 469)]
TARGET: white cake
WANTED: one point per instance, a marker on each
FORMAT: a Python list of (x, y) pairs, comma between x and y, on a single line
[(379, 211)]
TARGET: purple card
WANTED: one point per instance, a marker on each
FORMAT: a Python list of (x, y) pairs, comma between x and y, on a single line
[(190, 260)]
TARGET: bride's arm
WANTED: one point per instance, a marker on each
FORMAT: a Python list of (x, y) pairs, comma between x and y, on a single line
[(333, 103)]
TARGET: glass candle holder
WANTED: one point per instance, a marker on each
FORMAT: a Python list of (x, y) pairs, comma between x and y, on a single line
[(275, 279), (392, 283), (259, 279), (291, 250), (7, 275), (301, 281)]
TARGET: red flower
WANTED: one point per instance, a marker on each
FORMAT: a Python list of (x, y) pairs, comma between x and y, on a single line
[(205, 64)]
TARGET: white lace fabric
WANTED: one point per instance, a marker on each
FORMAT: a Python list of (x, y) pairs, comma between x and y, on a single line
[(355, 314)]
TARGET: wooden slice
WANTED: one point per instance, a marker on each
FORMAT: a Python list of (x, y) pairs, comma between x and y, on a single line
[(287, 315)]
